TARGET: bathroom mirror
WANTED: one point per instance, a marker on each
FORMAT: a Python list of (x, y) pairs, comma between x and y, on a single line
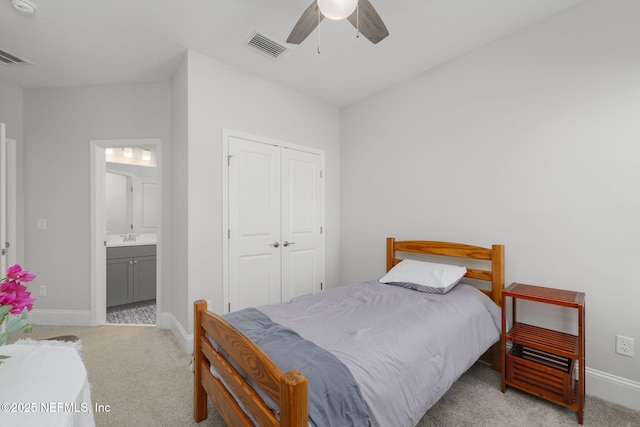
[(131, 199)]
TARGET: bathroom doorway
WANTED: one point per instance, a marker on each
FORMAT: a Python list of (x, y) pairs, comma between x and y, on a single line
[(125, 231)]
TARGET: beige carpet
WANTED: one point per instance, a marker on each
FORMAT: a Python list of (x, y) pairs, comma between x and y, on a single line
[(143, 375)]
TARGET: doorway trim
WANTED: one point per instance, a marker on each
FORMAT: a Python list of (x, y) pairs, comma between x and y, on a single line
[(97, 172), (8, 199)]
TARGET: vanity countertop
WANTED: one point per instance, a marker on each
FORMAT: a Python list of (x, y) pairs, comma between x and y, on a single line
[(141, 239)]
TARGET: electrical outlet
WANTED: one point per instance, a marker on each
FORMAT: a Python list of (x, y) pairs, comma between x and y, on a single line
[(624, 345), (43, 291)]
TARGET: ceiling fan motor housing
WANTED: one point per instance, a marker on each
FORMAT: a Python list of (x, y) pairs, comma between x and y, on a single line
[(337, 9)]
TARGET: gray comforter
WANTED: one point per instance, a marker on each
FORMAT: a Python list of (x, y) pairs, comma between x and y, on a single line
[(334, 395), (404, 348)]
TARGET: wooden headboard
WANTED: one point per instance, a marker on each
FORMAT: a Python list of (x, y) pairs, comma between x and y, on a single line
[(494, 255)]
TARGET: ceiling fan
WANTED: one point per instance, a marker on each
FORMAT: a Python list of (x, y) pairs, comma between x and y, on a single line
[(360, 13)]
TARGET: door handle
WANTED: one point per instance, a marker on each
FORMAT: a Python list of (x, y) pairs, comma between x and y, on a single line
[(288, 243), (275, 245)]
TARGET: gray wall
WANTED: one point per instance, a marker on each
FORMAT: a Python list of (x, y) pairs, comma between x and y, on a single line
[(11, 104), (59, 124), (11, 114), (222, 97), (532, 142), (179, 211)]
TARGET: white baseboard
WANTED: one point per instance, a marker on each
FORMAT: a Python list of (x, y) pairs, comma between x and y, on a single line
[(613, 388), (60, 317), (169, 321)]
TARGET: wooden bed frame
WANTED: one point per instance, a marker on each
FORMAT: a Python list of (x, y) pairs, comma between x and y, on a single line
[(289, 389)]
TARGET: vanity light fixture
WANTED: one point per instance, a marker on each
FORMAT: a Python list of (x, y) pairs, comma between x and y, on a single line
[(127, 152), (108, 151), (146, 155)]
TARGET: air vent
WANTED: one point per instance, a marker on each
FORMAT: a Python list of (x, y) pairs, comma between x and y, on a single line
[(8, 59), (266, 46)]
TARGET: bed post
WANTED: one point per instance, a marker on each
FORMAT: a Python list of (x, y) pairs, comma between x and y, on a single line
[(199, 394), (497, 273), (391, 253), (497, 285), (294, 395)]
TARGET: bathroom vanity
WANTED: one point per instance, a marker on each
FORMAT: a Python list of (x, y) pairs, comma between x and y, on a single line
[(131, 272)]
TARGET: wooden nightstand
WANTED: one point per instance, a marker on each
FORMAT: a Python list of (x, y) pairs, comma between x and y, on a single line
[(542, 361)]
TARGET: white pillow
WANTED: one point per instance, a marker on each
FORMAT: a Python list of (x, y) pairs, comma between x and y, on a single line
[(425, 276)]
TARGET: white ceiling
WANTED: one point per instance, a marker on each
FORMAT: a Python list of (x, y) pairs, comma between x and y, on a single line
[(95, 42)]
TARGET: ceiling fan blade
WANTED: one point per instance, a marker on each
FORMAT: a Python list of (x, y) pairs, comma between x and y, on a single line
[(306, 24), (370, 25)]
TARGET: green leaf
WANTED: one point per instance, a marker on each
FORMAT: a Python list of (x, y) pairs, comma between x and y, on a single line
[(2, 358), (3, 338), (4, 310), (16, 323)]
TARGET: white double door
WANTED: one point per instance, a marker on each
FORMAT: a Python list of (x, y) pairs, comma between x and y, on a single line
[(275, 205)]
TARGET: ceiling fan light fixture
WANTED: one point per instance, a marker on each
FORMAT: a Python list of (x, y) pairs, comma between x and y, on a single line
[(337, 9), (24, 6)]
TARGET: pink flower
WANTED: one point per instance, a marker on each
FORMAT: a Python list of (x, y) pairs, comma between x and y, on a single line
[(15, 273), (7, 298), (23, 299), (16, 294), (15, 299), (13, 292), (10, 286)]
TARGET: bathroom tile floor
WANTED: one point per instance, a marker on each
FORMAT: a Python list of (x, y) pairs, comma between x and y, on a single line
[(142, 313)]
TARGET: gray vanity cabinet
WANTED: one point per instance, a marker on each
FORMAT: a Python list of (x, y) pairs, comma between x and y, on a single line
[(131, 274), (119, 281)]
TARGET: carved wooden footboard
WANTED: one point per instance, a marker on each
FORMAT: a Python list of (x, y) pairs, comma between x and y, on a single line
[(288, 389)]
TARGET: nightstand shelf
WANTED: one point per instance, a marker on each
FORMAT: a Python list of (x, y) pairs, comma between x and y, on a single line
[(543, 361)]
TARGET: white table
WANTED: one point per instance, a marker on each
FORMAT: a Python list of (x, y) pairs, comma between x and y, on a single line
[(44, 384)]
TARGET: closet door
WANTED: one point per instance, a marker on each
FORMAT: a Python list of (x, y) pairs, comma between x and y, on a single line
[(275, 206), (254, 224), (302, 247)]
